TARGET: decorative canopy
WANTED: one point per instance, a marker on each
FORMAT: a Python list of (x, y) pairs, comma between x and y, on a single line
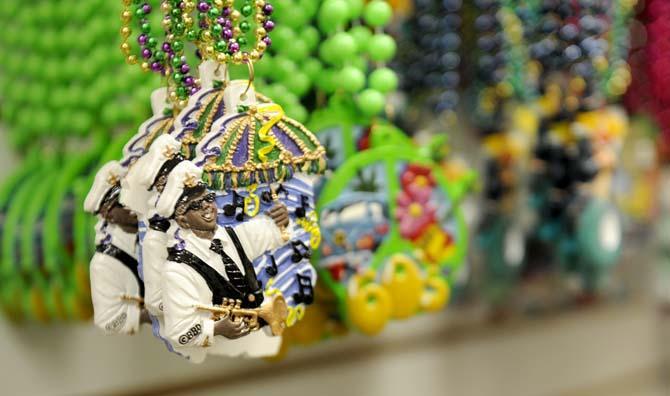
[(259, 145)]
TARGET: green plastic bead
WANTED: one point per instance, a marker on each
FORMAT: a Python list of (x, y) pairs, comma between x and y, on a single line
[(246, 10), (309, 7), (333, 14), (298, 83), (340, 48), (242, 41), (384, 80), (361, 35), (297, 112), (381, 48), (371, 102), (284, 68), (327, 80), (264, 66), (310, 35), (312, 68), (297, 51), (282, 38), (377, 13), (355, 8), (295, 19), (351, 79), (244, 26)]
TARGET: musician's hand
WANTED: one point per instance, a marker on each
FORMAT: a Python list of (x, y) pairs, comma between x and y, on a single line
[(144, 316), (230, 329), (279, 214)]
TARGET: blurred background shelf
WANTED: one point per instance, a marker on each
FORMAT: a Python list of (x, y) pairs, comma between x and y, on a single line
[(598, 350)]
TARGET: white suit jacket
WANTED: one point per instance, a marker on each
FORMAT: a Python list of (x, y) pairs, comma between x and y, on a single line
[(184, 288), (110, 280)]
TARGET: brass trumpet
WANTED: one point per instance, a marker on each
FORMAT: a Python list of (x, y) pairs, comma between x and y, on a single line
[(273, 313)]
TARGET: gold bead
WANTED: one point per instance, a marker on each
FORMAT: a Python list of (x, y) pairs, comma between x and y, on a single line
[(188, 21), (254, 55), (260, 3), (261, 46), (209, 50), (237, 58), (182, 104), (131, 59), (196, 81), (145, 66), (170, 37), (221, 58), (189, 6), (126, 16), (261, 32), (237, 31), (167, 23), (166, 7), (125, 48), (218, 3), (127, 2), (234, 15), (125, 32), (207, 35), (260, 18)]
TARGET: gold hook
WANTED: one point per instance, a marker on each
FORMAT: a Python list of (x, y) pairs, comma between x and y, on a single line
[(250, 65)]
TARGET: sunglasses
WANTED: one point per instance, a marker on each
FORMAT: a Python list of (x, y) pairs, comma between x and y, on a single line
[(197, 205)]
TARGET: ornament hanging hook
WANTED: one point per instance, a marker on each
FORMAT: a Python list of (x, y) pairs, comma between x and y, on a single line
[(250, 82)]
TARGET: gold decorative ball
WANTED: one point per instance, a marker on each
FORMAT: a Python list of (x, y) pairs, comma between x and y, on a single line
[(125, 32)]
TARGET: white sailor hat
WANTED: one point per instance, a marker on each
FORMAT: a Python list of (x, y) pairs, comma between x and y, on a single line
[(133, 196), (184, 180), (162, 157), (107, 178)]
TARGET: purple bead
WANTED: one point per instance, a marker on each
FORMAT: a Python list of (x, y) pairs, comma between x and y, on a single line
[(203, 7), (188, 81), (156, 66), (227, 33), (146, 8), (233, 47), (267, 40), (226, 11), (142, 39), (202, 24), (185, 69), (228, 24), (220, 20), (146, 53), (166, 47), (268, 25), (194, 90), (268, 9)]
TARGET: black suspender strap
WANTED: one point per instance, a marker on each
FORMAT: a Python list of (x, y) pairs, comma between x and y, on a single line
[(249, 271), (129, 261), (219, 285)]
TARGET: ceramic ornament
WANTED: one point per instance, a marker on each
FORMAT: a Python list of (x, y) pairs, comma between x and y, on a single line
[(116, 288), (393, 232), (213, 301), (254, 159)]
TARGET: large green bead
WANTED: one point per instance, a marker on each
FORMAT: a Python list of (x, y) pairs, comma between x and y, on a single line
[(310, 35), (327, 80), (378, 13), (355, 8), (283, 68), (351, 79), (361, 35), (312, 67), (298, 50), (333, 14), (298, 83), (384, 80), (341, 48), (264, 66), (371, 102), (282, 37), (381, 48)]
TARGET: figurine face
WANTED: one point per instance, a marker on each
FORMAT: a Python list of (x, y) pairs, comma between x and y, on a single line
[(200, 214), (116, 213)]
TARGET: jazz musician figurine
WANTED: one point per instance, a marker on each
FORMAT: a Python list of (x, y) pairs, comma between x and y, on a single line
[(116, 288), (210, 267)]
